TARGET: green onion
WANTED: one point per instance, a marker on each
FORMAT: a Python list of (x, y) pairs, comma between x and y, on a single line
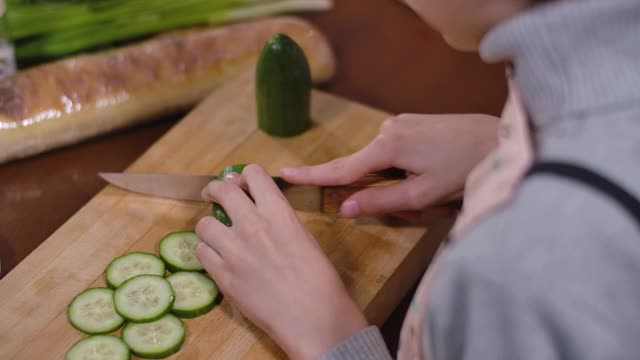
[(55, 28)]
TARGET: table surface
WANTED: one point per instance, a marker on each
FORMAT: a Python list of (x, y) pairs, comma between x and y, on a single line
[(387, 58)]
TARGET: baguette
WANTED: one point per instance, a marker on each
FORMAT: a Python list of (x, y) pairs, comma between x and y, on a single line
[(67, 101)]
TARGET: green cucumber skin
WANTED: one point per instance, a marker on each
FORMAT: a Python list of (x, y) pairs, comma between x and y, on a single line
[(170, 267), (139, 320), (106, 332), (161, 355), (217, 210), (190, 314), (109, 331), (142, 321), (235, 168), (174, 269), (283, 88), (128, 355), (109, 284)]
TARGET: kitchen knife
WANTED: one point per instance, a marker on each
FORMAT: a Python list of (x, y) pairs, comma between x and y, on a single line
[(309, 198)]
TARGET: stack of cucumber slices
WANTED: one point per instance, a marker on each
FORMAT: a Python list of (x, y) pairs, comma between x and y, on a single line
[(150, 303)]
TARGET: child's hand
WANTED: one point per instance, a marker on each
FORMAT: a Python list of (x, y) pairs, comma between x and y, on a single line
[(437, 151), (270, 267)]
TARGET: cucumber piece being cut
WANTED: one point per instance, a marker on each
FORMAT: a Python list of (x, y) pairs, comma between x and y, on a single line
[(157, 339), (283, 88), (144, 298), (216, 210), (178, 250), (133, 264), (235, 168), (195, 294), (99, 347), (93, 312)]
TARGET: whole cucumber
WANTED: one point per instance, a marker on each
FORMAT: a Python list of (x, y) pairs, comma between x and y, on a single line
[(283, 88)]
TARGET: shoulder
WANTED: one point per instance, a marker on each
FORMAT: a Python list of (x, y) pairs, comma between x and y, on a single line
[(555, 245), (551, 224), (560, 260)]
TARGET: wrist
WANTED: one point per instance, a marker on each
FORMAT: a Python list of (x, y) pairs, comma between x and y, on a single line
[(326, 332)]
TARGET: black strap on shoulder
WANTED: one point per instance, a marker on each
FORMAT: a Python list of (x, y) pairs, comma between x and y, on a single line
[(592, 179)]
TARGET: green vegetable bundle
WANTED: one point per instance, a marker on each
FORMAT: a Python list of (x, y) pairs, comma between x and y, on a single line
[(54, 28)]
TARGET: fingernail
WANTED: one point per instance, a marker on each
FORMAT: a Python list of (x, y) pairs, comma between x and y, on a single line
[(231, 176), (288, 171), (350, 208)]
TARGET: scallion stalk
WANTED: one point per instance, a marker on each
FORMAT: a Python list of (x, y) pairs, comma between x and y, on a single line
[(58, 28)]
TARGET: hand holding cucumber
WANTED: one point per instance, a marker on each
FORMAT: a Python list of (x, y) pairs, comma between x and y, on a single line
[(270, 267), (457, 142), (267, 241)]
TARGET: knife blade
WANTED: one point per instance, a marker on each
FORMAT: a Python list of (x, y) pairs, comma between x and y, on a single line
[(308, 198), (188, 187)]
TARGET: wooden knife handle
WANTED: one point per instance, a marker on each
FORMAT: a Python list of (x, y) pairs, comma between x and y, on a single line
[(334, 196)]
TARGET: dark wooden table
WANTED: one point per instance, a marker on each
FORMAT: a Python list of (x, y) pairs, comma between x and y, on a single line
[(387, 58)]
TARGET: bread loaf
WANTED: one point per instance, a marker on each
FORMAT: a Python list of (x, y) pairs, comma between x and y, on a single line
[(67, 101)]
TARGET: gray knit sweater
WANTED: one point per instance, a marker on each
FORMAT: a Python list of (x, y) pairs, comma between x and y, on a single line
[(556, 273)]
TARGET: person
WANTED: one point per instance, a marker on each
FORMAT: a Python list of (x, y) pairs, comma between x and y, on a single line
[(544, 259)]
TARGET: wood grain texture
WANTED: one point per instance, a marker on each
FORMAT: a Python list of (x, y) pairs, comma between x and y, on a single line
[(379, 263)]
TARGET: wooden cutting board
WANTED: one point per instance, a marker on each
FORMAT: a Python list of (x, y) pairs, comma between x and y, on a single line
[(378, 263)]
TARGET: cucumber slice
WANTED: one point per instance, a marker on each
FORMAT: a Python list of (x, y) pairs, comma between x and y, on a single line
[(133, 264), (195, 294), (99, 347), (178, 250), (157, 339), (93, 312), (144, 298)]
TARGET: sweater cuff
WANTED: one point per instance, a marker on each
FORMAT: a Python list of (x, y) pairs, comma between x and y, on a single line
[(364, 345)]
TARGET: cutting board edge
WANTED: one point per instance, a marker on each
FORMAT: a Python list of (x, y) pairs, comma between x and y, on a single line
[(408, 273)]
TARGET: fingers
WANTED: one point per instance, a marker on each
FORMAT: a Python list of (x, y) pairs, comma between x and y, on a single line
[(209, 259), (235, 202), (344, 170), (261, 186), (411, 194), (234, 178), (214, 233)]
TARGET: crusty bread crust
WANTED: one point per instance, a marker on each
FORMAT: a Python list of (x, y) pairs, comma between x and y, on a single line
[(71, 100)]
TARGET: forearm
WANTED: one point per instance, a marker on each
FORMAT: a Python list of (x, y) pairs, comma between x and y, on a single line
[(367, 344)]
